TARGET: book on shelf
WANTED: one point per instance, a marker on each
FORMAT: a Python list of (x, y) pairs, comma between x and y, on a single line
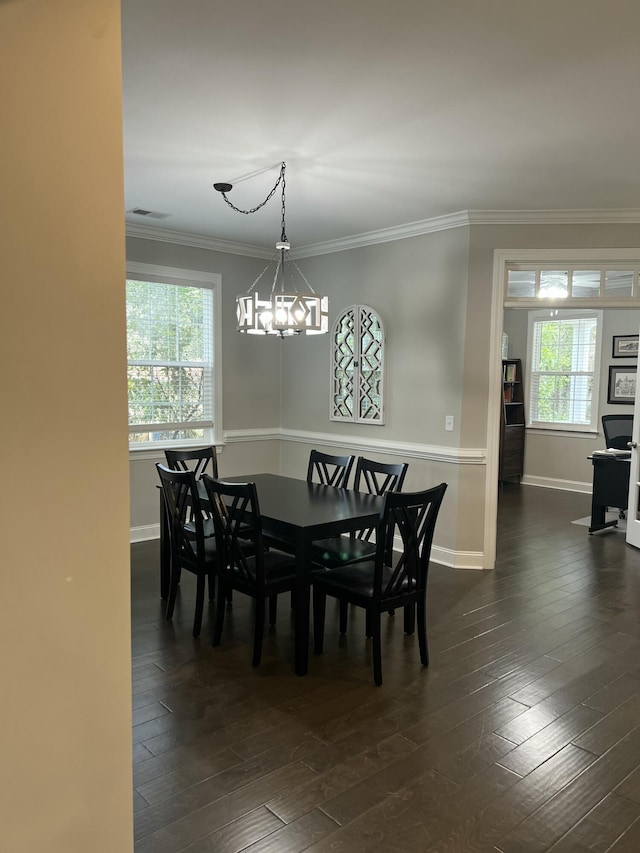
[(509, 373)]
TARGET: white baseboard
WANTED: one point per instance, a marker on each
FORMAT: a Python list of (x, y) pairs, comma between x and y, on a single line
[(144, 533), (457, 559), (551, 483)]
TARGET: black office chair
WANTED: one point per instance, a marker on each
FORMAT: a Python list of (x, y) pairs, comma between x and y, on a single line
[(377, 586), (617, 430)]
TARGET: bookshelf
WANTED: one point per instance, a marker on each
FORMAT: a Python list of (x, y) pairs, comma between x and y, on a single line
[(511, 463)]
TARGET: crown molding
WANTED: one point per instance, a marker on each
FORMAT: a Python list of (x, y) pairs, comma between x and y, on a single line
[(385, 235), (197, 241), (554, 217), (398, 232)]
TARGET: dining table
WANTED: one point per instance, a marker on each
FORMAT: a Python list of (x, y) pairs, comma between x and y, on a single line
[(295, 512)]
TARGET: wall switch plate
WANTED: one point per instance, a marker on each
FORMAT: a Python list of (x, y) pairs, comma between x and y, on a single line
[(448, 423)]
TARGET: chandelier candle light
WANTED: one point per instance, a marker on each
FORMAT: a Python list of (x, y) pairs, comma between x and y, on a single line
[(287, 310)]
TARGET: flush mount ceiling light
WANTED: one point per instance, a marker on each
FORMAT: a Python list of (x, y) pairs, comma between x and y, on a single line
[(287, 310)]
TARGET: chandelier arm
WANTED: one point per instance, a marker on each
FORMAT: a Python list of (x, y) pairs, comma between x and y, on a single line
[(259, 277), (224, 189), (275, 278), (302, 275)]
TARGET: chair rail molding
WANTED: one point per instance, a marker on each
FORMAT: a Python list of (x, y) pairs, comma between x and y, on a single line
[(436, 453)]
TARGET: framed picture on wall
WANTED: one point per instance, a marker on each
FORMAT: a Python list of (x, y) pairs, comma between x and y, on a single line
[(625, 346), (622, 384)]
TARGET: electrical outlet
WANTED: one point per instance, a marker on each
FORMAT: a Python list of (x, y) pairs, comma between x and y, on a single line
[(448, 423)]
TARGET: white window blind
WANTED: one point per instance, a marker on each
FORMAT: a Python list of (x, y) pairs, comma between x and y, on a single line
[(564, 352), (169, 363)]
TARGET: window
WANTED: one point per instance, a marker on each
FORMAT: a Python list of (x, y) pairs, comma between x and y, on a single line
[(357, 363), (618, 282), (170, 365), (564, 359)]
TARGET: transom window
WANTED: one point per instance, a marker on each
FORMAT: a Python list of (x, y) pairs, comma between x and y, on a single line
[(549, 281), (357, 366), (170, 375), (564, 359)]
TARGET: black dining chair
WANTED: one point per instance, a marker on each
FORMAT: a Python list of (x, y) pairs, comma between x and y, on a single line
[(375, 478), (196, 459), (377, 586), (245, 565), (190, 548), (372, 477), (329, 470)]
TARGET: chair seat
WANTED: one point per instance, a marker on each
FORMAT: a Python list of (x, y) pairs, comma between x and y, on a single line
[(356, 580), (278, 567), (338, 550), (207, 526)]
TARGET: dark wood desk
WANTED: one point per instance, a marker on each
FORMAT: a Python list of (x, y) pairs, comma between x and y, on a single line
[(610, 488), (300, 512)]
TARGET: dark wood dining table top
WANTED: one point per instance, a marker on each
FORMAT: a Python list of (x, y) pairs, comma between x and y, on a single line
[(288, 504)]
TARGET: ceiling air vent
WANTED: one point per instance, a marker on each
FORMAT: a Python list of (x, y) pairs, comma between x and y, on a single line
[(150, 214)]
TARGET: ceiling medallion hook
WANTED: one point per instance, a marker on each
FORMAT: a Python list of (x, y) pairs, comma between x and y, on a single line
[(284, 312)]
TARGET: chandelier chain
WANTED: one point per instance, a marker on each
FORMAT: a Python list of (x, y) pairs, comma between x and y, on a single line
[(280, 180), (284, 183)]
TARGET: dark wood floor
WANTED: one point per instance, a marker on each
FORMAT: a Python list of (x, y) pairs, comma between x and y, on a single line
[(522, 735)]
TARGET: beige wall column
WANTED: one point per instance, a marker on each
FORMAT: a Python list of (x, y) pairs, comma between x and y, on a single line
[(65, 630)]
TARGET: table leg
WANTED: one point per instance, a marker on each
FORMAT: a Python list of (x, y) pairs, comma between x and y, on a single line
[(165, 550), (302, 601)]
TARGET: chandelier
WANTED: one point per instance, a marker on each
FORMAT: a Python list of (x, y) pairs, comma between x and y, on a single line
[(287, 309)]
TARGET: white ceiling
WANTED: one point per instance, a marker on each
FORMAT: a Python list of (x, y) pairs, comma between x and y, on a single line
[(386, 112)]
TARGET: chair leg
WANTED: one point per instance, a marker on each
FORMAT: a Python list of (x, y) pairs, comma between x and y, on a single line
[(409, 619), (197, 620), (173, 591), (219, 620), (319, 608), (374, 622), (258, 631), (422, 633), (273, 609), (344, 611)]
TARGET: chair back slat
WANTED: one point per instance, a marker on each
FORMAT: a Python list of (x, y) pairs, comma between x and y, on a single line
[(413, 515), (376, 478), (196, 459), (329, 470)]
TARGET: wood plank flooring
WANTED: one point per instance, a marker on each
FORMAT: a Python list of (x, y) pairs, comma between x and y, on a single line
[(523, 735)]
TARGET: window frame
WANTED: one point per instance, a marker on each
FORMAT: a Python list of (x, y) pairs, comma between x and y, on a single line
[(187, 278), (358, 373), (567, 314)]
